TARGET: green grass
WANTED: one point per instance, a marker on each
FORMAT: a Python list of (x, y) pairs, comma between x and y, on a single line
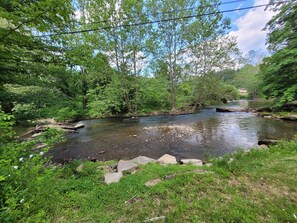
[(259, 186)]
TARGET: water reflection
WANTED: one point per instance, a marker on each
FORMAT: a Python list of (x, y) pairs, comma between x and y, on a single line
[(185, 136)]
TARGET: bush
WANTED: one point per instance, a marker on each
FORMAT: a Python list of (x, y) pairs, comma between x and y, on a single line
[(25, 112), (66, 110), (6, 124), (27, 190)]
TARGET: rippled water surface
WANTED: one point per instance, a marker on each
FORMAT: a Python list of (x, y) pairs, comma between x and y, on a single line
[(206, 132)]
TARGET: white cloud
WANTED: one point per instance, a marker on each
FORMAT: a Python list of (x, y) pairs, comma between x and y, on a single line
[(250, 34)]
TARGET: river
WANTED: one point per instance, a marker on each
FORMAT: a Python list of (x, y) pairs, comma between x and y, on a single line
[(205, 133)]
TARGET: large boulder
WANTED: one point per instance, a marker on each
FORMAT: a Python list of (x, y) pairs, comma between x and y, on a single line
[(112, 177), (167, 159), (142, 160), (126, 165)]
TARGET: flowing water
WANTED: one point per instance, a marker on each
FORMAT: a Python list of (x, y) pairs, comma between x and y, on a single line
[(206, 132)]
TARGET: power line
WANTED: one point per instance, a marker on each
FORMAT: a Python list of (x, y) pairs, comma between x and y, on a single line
[(155, 21), (167, 12)]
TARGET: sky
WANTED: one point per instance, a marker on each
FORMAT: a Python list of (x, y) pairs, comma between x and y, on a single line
[(248, 25)]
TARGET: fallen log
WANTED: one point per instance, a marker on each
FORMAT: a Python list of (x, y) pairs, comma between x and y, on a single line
[(71, 127), (36, 130)]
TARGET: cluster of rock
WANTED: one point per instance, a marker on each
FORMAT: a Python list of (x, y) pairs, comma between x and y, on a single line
[(131, 166)]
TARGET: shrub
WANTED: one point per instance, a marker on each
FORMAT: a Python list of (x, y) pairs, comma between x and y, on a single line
[(26, 185)]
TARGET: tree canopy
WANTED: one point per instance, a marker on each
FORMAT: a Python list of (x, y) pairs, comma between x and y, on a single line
[(279, 71), (68, 59)]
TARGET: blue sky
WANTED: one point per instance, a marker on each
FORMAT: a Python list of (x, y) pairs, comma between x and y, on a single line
[(247, 25)]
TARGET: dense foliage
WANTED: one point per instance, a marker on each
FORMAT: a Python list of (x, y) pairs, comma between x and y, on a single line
[(279, 71), (24, 175), (125, 69)]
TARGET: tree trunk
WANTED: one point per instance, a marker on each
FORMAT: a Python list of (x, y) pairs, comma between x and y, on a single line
[(84, 88)]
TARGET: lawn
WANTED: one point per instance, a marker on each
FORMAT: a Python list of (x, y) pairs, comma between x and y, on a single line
[(259, 186)]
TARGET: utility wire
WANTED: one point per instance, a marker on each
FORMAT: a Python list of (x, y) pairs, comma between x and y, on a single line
[(155, 21), (167, 12)]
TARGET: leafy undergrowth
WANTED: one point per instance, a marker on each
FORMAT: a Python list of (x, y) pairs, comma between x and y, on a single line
[(259, 186)]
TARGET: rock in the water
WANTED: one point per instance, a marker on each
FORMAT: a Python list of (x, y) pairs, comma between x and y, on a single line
[(167, 159), (78, 126), (126, 165), (79, 168), (231, 110), (195, 162), (112, 177), (153, 182), (142, 160), (267, 116)]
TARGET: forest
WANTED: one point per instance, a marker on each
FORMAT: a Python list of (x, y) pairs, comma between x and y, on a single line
[(72, 60)]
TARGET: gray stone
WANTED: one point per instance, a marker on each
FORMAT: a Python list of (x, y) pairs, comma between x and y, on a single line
[(112, 177), (153, 182), (195, 162), (208, 164), (79, 168), (167, 159), (264, 146), (142, 160), (126, 165)]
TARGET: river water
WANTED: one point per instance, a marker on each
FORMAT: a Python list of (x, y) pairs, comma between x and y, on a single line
[(204, 133)]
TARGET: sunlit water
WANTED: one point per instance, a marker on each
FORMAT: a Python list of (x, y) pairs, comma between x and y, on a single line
[(186, 136)]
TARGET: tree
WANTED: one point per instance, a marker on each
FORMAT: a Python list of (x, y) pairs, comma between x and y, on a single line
[(247, 78), (25, 59), (209, 48), (279, 71), (170, 35)]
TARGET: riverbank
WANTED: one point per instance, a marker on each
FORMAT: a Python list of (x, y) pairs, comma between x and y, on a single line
[(286, 116), (258, 186)]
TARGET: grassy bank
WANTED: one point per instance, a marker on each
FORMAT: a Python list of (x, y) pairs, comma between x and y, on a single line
[(259, 186)]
